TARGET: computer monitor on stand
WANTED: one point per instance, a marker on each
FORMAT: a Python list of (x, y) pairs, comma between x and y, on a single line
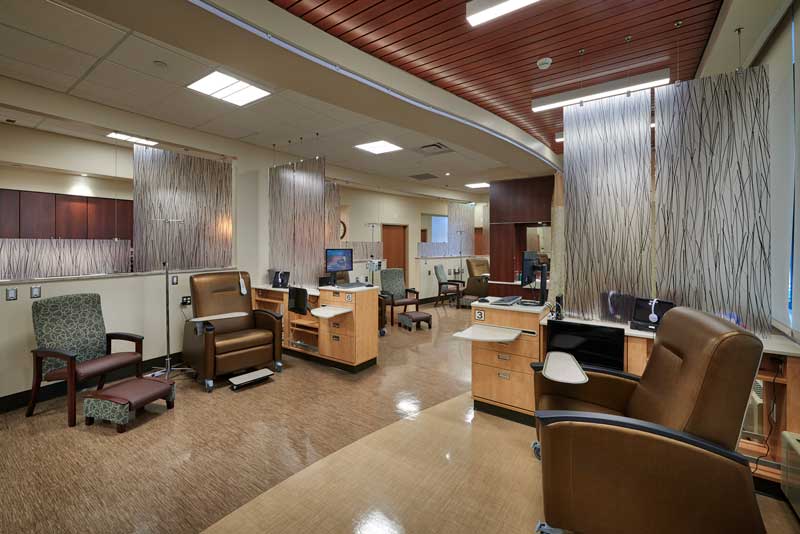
[(338, 260), (530, 267)]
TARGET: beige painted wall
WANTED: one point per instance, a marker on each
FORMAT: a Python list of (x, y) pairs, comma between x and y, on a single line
[(64, 183)]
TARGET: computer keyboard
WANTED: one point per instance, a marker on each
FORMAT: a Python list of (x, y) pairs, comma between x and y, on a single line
[(351, 285), (507, 301)]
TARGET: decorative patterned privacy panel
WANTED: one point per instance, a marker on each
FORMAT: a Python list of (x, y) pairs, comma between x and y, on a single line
[(297, 219), (195, 191), (607, 202), (460, 229), (22, 259), (712, 196), (332, 215)]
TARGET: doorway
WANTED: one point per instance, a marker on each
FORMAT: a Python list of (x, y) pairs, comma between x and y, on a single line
[(480, 243), (395, 246)]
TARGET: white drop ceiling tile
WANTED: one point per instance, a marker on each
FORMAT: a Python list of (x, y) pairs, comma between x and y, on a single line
[(21, 46), (36, 75), (189, 108), (115, 76), (20, 118), (139, 54), (101, 94), (60, 24), (227, 126)]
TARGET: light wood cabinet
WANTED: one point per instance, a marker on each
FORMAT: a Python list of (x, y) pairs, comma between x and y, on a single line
[(503, 387)]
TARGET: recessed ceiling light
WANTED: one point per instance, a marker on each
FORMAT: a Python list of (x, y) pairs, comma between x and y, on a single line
[(131, 139), (379, 147), (603, 90), (447, 174), (480, 11), (84, 174), (228, 88), (479, 185)]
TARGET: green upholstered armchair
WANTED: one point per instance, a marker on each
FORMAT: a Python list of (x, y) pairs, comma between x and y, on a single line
[(447, 288), (73, 345), (394, 290)]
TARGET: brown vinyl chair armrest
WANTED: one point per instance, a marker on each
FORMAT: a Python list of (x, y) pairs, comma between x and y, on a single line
[(650, 476), (136, 339), (413, 292), (389, 296), (269, 320), (457, 282), (44, 352), (606, 387)]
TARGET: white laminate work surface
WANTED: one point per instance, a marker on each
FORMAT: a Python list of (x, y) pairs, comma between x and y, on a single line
[(326, 312), (314, 291), (515, 307), (563, 367), (630, 332), (491, 334), (219, 316)]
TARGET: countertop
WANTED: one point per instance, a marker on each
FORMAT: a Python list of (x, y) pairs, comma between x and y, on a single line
[(515, 307), (314, 291)]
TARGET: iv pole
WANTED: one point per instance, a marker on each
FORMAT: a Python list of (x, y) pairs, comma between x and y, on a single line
[(167, 369)]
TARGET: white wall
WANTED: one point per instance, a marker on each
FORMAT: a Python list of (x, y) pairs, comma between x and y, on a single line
[(64, 183)]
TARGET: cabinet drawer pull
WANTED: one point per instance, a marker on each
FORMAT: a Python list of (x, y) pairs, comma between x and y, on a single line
[(505, 357), (335, 338), (504, 376), (336, 325)]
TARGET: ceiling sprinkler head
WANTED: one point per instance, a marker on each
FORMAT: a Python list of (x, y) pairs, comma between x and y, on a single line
[(544, 63)]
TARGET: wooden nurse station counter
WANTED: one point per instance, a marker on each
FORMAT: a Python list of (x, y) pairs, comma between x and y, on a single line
[(507, 339), (339, 328)]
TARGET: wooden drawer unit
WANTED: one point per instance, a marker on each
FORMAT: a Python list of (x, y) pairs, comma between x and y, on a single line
[(337, 346), (525, 345), (503, 386), (506, 318), (502, 360), (341, 324), (337, 298)]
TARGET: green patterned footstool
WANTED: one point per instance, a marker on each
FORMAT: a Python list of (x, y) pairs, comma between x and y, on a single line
[(118, 403)]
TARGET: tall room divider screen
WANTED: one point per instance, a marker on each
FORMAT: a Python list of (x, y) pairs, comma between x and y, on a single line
[(712, 195), (607, 181)]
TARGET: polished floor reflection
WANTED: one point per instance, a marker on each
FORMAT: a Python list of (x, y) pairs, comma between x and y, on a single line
[(181, 471), (448, 470)]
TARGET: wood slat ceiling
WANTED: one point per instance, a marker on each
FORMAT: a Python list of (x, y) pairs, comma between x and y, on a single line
[(494, 65)]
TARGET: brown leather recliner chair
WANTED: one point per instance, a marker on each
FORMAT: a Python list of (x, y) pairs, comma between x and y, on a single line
[(223, 346), (657, 454), (478, 266)]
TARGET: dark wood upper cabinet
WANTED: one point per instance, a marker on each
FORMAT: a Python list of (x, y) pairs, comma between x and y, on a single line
[(124, 219), (101, 216), (521, 201), (71, 217), (37, 215), (9, 214)]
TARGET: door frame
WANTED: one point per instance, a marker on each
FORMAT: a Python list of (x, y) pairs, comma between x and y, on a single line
[(405, 247)]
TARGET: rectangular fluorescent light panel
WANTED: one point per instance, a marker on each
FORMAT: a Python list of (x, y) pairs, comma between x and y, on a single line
[(603, 90), (379, 147), (131, 139), (479, 185), (227, 88), (480, 11)]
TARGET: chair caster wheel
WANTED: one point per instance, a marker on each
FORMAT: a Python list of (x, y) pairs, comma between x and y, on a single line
[(278, 367), (544, 528), (208, 385), (382, 332), (537, 450)]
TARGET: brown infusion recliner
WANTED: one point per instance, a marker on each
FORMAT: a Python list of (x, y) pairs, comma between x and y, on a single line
[(224, 346), (657, 454)]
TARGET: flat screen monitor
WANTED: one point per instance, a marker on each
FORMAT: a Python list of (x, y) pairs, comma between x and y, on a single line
[(603, 346), (650, 311), (338, 260)]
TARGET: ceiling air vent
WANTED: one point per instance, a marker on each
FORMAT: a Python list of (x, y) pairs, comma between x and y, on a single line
[(424, 176), (434, 149)]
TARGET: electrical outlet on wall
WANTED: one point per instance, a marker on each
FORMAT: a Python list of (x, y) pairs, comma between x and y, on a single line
[(36, 292), (186, 301), (174, 279), (11, 293)]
